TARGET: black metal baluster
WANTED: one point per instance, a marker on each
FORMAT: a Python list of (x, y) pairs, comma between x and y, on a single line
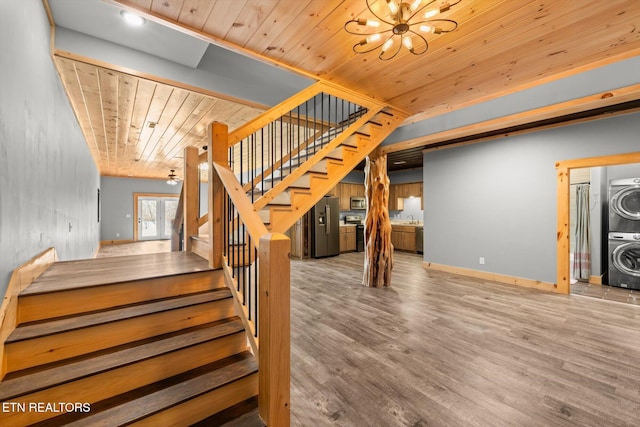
[(257, 284), (248, 272)]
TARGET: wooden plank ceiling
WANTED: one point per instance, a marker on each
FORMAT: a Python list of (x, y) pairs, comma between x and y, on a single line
[(137, 127), (501, 46)]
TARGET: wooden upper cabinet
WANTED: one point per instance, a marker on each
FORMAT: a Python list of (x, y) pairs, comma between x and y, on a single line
[(357, 190), (345, 191), (399, 192)]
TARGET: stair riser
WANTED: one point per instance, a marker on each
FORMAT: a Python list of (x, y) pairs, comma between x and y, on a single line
[(200, 248), (52, 348), (129, 377), (47, 306), (203, 406)]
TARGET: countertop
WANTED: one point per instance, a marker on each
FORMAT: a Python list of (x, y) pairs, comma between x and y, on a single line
[(403, 223)]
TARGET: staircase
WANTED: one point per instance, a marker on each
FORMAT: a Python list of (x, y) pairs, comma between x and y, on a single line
[(165, 339), (144, 340)]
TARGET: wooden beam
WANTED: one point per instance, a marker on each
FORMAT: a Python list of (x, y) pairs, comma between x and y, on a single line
[(577, 105), (190, 186), (274, 330)]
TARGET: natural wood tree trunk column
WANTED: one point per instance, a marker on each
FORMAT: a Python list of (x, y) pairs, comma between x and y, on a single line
[(378, 250)]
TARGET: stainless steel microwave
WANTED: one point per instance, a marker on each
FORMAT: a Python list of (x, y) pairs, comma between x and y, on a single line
[(358, 203)]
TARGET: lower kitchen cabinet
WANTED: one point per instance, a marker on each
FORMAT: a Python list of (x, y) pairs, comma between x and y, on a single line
[(347, 239), (403, 237)]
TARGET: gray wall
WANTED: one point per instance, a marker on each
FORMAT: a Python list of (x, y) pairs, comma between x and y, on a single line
[(117, 220), (48, 178), (497, 199), (406, 176)]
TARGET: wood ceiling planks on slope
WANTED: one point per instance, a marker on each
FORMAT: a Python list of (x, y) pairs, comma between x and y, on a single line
[(137, 127), (500, 47)]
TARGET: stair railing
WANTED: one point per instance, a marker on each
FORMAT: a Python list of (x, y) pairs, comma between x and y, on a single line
[(267, 149), (257, 270)]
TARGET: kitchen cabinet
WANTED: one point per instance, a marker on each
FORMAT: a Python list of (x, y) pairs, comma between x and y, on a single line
[(399, 192), (345, 191), (347, 239), (345, 196), (403, 237)]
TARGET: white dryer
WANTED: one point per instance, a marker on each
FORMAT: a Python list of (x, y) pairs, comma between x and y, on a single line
[(624, 205)]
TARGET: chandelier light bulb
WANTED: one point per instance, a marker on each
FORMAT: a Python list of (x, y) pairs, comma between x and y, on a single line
[(373, 38), (426, 28), (431, 13), (415, 5), (387, 45), (393, 7), (407, 42), (372, 23)]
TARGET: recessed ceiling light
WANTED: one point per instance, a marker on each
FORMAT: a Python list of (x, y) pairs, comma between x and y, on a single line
[(132, 19)]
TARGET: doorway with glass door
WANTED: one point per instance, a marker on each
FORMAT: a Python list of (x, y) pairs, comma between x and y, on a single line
[(155, 216)]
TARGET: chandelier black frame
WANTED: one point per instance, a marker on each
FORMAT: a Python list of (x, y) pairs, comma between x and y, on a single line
[(400, 15)]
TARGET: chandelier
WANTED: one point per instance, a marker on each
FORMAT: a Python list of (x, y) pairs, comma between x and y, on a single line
[(406, 21), (173, 178)]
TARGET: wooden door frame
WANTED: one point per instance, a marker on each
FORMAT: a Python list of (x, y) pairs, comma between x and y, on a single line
[(135, 208), (563, 170)]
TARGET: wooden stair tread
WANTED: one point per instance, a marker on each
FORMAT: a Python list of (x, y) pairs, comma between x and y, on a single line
[(67, 275), (201, 238), (151, 399), (29, 331), (31, 380), (244, 414)]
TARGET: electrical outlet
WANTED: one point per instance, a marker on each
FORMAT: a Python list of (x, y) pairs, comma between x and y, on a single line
[(481, 260)]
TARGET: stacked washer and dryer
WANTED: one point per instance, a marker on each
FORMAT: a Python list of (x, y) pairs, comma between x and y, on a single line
[(624, 233)]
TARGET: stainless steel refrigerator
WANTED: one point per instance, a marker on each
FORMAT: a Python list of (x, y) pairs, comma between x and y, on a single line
[(325, 228)]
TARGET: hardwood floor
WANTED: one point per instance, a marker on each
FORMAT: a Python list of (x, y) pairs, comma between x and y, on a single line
[(438, 349), (606, 292), (135, 248)]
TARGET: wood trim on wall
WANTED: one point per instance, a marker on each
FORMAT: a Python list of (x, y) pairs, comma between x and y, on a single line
[(22, 277), (563, 169), (135, 213), (599, 100), (114, 242), (494, 277)]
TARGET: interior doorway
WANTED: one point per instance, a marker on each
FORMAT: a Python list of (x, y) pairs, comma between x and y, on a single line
[(153, 216), (563, 169)]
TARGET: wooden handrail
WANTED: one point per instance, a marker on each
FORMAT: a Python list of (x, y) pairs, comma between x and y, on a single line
[(289, 104), (274, 113), (305, 167), (177, 223), (246, 211)]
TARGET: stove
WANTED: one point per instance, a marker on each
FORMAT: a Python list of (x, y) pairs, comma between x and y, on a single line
[(357, 220)]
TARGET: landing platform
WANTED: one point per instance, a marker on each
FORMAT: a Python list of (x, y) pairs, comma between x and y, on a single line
[(67, 275)]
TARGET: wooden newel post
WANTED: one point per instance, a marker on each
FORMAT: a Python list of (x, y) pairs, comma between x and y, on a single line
[(190, 183), (378, 250), (274, 329), (218, 152)]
